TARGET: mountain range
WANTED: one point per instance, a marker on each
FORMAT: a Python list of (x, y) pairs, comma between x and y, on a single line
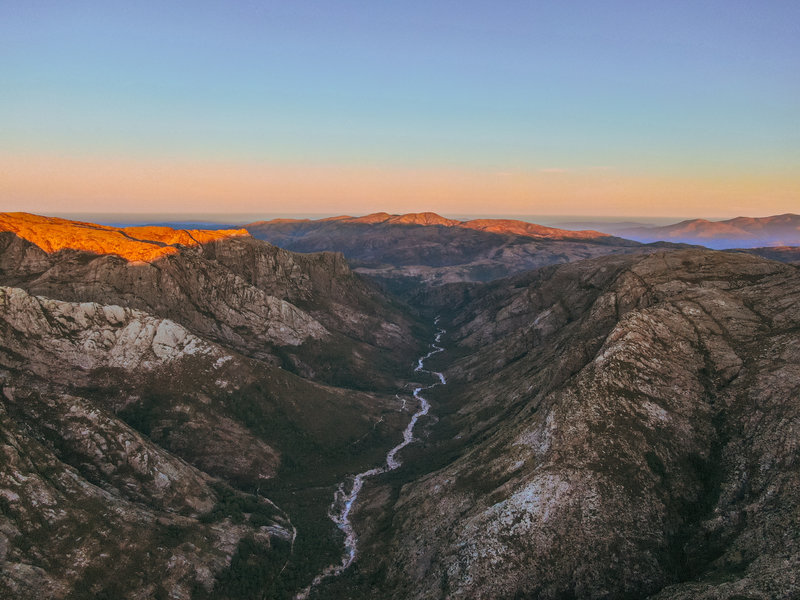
[(145, 403), (417, 250), (180, 407), (741, 232)]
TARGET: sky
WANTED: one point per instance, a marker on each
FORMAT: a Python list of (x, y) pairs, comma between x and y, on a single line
[(613, 108)]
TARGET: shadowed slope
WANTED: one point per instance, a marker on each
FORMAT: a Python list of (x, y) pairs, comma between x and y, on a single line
[(611, 428)]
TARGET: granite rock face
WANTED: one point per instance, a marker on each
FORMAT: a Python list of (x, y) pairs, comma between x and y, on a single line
[(622, 427), (263, 301), (88, 504), (151, 410)]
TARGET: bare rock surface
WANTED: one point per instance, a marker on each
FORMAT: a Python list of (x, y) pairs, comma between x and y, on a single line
[(263, 301), (622, 427), (166, 422)]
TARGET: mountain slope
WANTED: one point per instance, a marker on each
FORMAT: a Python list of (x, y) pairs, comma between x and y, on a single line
[(168, 424), (622, 426), (618, 427), (261, 300), (92, 506)]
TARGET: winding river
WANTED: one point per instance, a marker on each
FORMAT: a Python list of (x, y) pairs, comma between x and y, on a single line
[(343, 501)]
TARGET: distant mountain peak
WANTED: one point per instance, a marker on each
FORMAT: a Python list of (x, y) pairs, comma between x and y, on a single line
[(423, 218), (147, 243), (776, 230), (427, 218)]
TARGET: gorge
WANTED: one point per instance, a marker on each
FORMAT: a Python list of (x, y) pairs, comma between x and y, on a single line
[(178, 407), (343, 501)]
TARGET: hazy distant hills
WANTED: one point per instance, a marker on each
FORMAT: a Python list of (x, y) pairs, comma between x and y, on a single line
[(741, 232)]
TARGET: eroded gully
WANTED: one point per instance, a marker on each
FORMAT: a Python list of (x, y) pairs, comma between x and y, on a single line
[(343, 501)]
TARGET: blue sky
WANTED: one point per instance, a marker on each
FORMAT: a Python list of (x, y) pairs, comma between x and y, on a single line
[(698, 89)]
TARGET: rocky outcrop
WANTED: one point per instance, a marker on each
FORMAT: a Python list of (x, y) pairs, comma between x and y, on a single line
[(620, 427), (258, 299), (149, 410), (90, 336)]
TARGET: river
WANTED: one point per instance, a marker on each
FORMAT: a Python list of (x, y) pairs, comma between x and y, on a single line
[(343, 501)]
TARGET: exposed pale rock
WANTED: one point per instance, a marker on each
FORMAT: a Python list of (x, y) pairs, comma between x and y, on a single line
[(92, 336), (624, 425)]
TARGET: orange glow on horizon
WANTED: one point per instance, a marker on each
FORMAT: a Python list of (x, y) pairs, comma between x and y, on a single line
[(57, 185)]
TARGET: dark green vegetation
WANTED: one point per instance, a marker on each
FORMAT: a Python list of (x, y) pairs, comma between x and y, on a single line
[(255, 571)]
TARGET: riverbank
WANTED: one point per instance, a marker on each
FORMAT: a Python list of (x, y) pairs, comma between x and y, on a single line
[(344, 501)]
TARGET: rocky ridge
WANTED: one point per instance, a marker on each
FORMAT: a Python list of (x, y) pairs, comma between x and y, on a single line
[(166, 424), (261, 300), (52, 234), (408, 252), (620, 427)]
